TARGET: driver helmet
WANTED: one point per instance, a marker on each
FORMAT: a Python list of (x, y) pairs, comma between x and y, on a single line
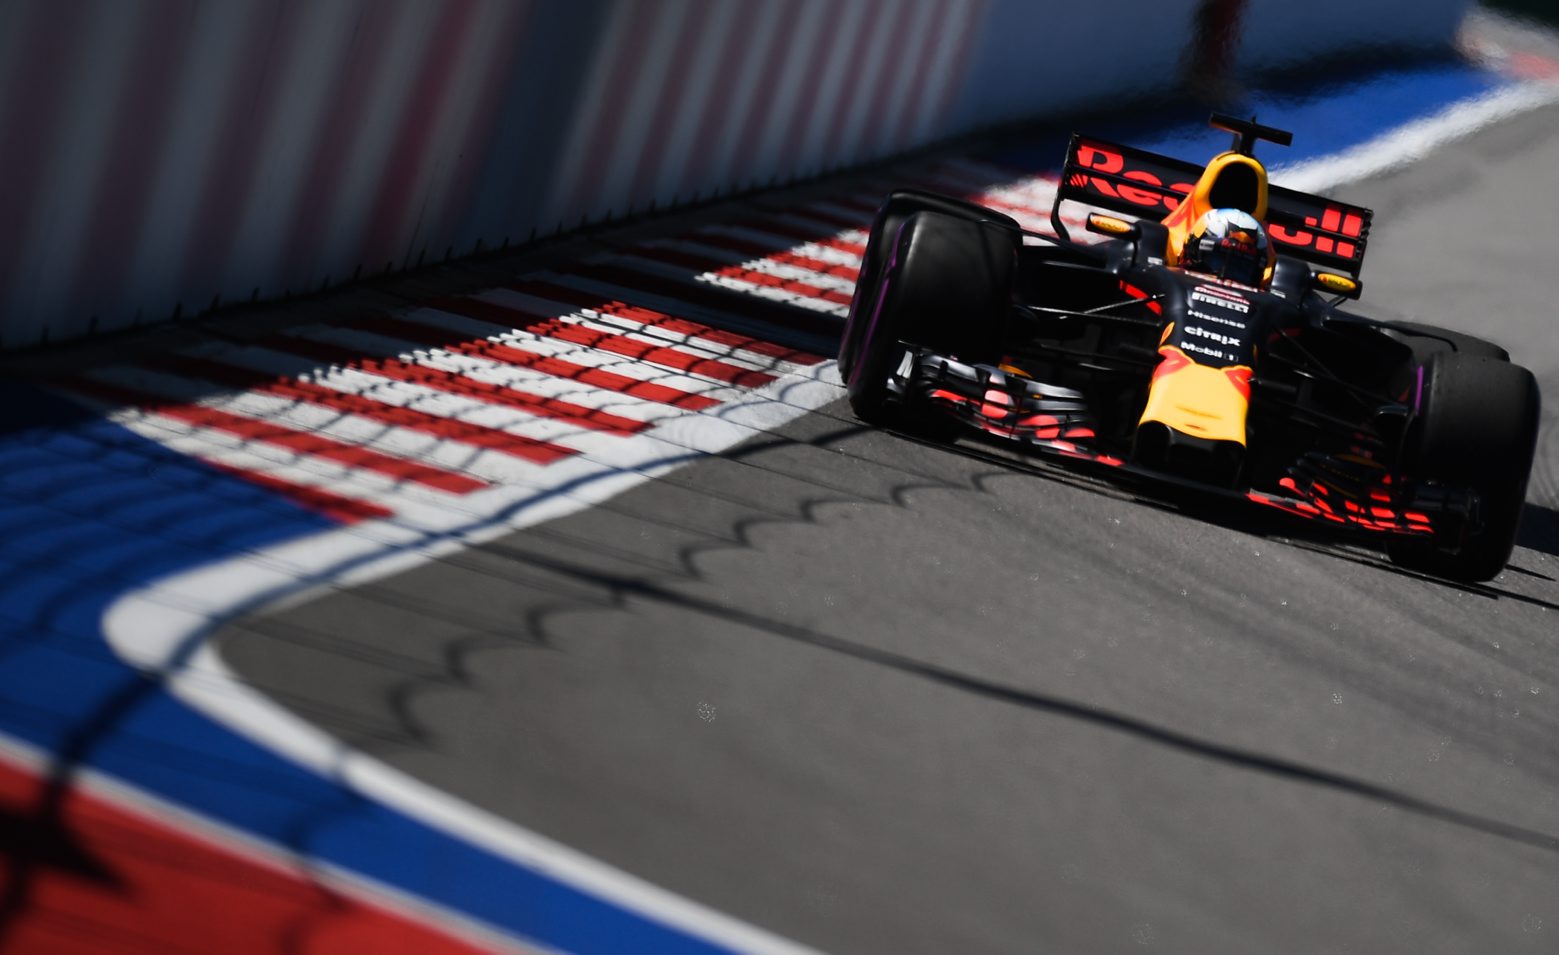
[(1230, 244)]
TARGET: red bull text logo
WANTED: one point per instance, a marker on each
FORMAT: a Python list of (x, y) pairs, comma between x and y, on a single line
[(1157, 194)]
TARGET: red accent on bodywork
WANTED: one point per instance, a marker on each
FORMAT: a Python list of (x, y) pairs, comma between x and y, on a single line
[(1040, 421), (1138, 293), (1240, 377), (1174, 360), (995, 397)]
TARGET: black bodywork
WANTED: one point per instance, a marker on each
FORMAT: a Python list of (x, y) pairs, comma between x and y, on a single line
[(1061, 340)]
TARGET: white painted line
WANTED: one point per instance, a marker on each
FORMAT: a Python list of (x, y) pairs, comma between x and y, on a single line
[(495, 373), (808, 302), (417, 447), (731, 258), (615, 322), (1412, 142), (827, 253), (413, 396), (548, 347), (153, 628), (233, 451), (543, 346), (797, 273)]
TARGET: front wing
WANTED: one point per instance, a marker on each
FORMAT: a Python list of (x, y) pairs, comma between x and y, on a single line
[(1053, 421)]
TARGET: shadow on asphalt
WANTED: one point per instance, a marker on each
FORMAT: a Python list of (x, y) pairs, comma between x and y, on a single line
[(622, 587), (1539, 528)]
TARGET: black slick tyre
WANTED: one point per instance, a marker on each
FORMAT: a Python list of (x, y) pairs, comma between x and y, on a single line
[(1476, 430), (890, 218), (946, 286)]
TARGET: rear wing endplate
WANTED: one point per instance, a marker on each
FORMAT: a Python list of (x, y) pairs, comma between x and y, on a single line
[(1136, 182)]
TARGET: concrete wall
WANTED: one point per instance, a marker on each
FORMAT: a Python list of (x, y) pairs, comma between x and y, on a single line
[(1280, 33), (161, 157)]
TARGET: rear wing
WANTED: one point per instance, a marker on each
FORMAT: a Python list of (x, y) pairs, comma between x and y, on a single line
[(1136, 182)]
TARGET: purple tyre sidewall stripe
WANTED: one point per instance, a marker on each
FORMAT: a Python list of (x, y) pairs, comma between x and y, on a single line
[(882, 293)]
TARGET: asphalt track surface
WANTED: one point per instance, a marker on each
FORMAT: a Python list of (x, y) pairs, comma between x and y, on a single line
[(879, 696)]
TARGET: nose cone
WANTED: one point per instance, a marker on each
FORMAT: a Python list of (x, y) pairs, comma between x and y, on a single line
[(1194, 421)]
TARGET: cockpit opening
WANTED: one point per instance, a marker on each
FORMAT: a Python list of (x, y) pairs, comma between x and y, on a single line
[(1236, 188)]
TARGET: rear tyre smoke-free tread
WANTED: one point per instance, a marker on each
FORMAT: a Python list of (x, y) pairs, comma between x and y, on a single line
[(1476, 430)]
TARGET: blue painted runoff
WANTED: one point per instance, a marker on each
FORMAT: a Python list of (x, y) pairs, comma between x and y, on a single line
[(90, 511)]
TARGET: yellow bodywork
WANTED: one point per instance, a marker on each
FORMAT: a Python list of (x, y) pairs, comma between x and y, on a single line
[(1198, 400), (1198, 202)]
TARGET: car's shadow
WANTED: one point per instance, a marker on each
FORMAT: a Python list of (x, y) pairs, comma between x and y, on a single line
[(622, 589), (1539, 532)]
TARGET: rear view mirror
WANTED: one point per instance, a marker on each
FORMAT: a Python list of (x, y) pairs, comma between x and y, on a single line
[(1337, 284), (1110, 225)]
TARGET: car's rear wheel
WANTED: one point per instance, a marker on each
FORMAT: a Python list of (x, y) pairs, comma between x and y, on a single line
[(890, 218), (1476, 430), (946, 286)]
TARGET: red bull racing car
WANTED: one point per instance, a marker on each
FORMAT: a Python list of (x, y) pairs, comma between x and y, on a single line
[(1150, 352)]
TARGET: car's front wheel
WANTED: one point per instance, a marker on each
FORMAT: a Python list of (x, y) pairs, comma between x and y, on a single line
[(885, 228), (947, 286)]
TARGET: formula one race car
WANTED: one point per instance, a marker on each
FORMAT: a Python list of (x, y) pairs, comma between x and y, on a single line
[(1146, 351)]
